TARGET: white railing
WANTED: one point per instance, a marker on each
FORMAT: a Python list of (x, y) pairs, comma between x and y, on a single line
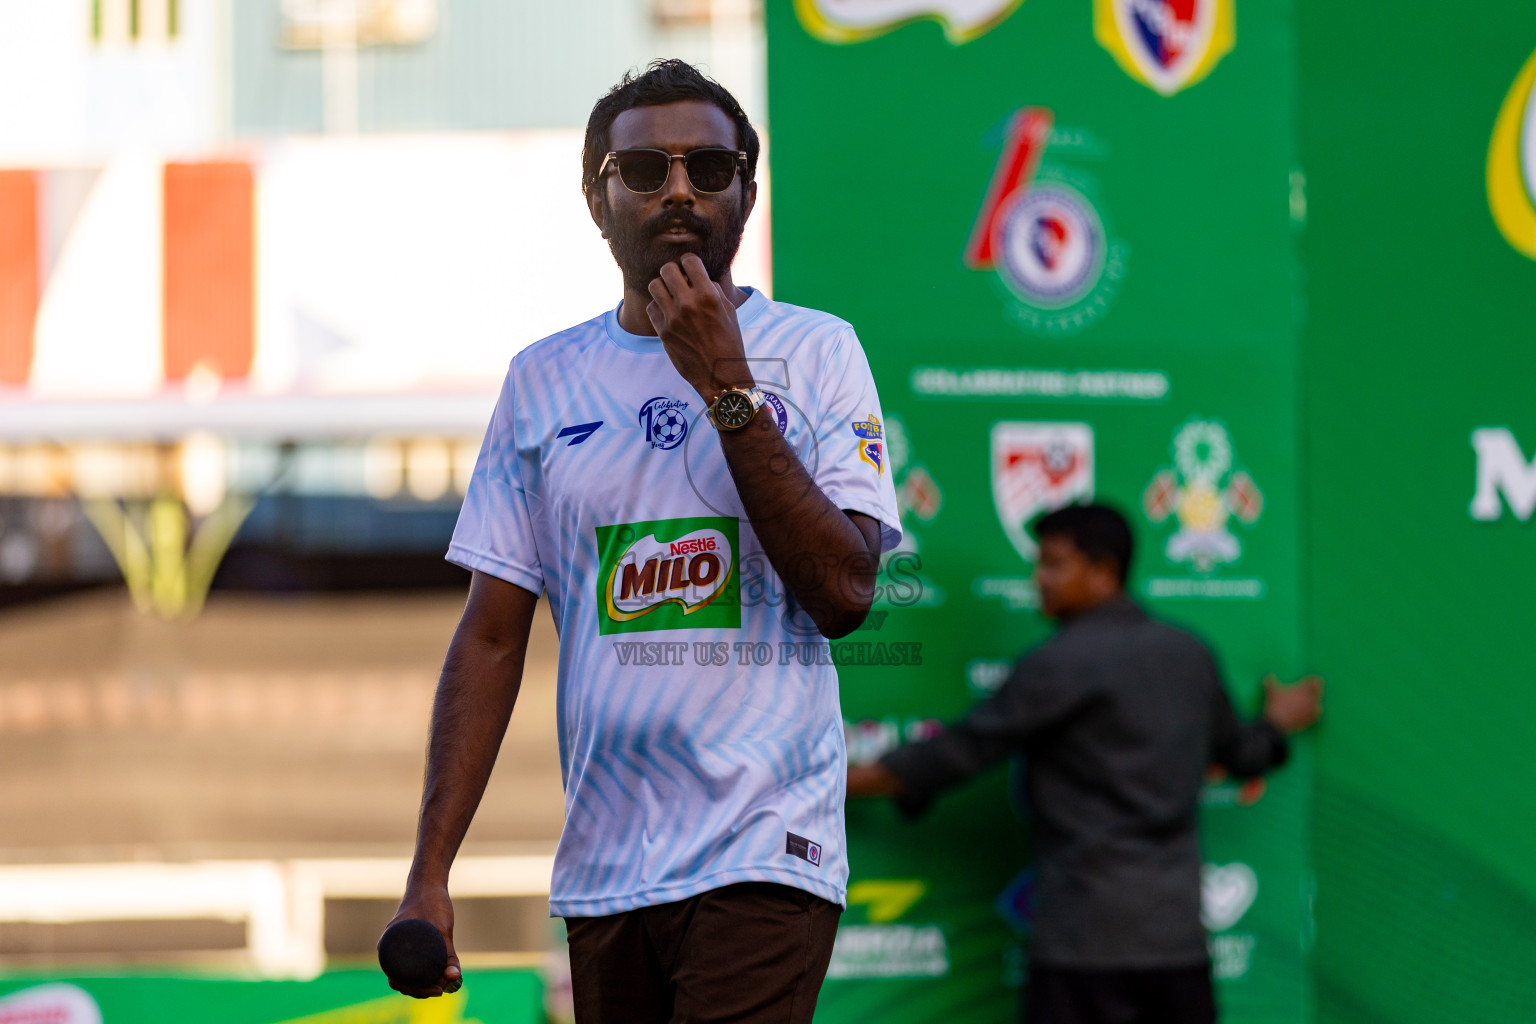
[(282, 903)]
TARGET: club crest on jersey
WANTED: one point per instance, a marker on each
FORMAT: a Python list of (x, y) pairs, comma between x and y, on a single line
[(668, 574), (1512, 164), (780, 412), (854, 21), (664, 422), (1043, 236), (1167, 45), (871, 437), (1037, 468)]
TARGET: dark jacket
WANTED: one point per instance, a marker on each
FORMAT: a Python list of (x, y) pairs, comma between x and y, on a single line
[(1118, 717)]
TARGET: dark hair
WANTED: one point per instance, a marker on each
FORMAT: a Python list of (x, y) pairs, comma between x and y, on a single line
[(1098, 531), (664, 81)]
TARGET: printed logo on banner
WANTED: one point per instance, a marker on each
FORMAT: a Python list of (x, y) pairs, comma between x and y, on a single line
[(884, 948), (854, 21), (1512, 164), (1167, 45), (668, 574), (54, 1003), (1036, 468), (1227, 891), (919, 498), (1202, 491), (1043, 235)]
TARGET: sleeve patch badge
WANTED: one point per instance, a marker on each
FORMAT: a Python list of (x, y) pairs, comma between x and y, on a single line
[(871, 437)]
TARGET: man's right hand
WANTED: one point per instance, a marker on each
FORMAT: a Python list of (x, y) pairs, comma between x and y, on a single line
[(434, 907), (1293, 708)]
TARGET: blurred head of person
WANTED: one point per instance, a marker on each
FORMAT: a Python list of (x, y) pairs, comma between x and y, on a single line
[(672, 107), (1085, 556)]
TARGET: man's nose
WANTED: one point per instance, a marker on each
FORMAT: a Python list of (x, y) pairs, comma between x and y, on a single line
[(678, 190)]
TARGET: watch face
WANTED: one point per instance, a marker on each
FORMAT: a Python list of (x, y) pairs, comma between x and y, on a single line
[(733, 410)]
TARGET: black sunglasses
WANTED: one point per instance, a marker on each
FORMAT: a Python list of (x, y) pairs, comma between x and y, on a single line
[(644, 171)]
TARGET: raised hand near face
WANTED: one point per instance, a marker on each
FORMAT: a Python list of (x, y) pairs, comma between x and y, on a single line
[(698, 327)]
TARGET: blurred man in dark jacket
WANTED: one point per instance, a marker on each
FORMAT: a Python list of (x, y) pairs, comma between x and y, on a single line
[(1118, 717)]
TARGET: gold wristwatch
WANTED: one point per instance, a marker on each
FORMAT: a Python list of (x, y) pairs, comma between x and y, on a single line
[(734, 408)]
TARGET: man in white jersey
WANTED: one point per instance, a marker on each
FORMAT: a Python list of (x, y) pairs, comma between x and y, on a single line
[(697, 480)]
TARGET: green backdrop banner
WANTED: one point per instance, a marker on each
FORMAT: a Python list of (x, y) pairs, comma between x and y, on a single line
[(1418, 134), (1065, 233), (338, 997)]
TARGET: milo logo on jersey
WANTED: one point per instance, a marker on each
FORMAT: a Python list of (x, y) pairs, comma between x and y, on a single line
[(668, 574)]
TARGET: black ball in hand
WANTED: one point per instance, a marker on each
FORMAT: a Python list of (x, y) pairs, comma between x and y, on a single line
[(413, 953)]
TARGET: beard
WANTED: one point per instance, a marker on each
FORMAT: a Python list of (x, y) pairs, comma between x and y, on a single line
[(640, 250)]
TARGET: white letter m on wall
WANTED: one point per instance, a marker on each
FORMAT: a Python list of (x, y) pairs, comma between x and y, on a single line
[(1502, 469)]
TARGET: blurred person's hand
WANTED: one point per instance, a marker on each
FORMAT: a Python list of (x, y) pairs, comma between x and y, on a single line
[(431, 904), (871, 780), (1293, 708)]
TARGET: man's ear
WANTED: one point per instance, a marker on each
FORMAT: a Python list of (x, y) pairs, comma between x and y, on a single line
[(597, 206), (749, 200)]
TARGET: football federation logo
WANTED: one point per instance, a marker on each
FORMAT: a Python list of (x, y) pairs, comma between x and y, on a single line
[(1168, 45), (1203, 492), (1036, 468), (664, 422), (854, 21), (1042, 236), (871, 437), (1512, 164), (667, 574), (1050, 246)]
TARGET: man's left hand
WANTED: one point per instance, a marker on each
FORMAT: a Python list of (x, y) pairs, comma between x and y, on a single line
[(698, 327)]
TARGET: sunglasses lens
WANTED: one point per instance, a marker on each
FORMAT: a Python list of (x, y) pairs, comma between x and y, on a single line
[(711, 170), (643, 170)]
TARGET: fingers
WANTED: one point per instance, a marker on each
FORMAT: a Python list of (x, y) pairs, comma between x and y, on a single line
[(676, 281), (693, 267), (657, 316)]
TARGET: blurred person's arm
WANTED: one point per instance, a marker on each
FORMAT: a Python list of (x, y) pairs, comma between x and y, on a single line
[(1249, 749), (1036, 694), (475, 694)]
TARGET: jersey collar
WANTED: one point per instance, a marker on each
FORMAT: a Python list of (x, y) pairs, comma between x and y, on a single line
[(745, 314)]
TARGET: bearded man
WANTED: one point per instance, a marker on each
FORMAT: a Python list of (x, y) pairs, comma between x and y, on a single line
[(697, 480)]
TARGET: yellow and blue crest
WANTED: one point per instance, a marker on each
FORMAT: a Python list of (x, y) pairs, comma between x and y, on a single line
[(1167, 45), (871, 437)]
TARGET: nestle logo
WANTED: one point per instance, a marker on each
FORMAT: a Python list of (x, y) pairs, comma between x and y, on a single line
[(693, 545)]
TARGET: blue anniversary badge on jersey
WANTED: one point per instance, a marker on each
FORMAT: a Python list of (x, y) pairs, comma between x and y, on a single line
[(665, 422)]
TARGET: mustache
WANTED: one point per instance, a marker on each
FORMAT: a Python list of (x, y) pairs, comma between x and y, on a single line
[(678, 218)]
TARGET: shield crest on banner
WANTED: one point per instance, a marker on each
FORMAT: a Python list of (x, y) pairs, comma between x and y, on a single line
[(1166, 44), (1038, 467)]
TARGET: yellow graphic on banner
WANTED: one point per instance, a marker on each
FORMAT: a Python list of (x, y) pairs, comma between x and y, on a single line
[(448, 1009), (855, 21), (1512, 164), (887, 898), (1168, 45)]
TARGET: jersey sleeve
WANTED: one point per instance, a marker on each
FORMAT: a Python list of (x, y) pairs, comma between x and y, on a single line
[(851, 460), (495, 533)]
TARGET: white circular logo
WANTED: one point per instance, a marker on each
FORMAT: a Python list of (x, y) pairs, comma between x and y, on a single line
[(1051, 245)]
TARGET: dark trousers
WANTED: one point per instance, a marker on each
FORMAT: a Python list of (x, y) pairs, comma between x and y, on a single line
[(1171, 996), (748, 953)]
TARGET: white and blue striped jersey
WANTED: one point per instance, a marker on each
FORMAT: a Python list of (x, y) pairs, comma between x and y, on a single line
[(701, 738)]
